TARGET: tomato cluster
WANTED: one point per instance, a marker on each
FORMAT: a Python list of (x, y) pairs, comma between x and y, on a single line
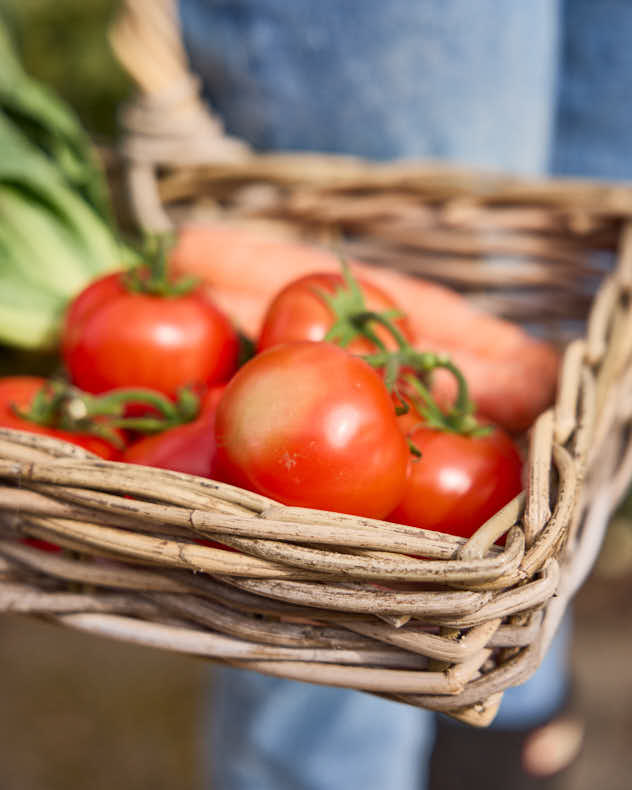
[(333, 411)]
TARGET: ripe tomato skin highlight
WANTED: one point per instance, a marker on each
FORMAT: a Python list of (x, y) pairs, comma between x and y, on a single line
[(298, 313), (20, 391), (118, 338), (459, 482), (310, 425)]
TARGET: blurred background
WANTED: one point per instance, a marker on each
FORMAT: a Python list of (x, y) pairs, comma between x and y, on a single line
[(63, 43), (80, 712)]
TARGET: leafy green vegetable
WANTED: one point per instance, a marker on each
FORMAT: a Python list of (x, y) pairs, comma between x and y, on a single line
[(56, 232), (51, 125)]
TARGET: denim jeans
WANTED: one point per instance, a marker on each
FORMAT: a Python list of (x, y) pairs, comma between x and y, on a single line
[(523, 87), (265, 733), (453, 79)]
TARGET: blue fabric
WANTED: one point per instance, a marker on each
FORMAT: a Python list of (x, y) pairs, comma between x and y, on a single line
[(594, 123), (265, 733), (469, 82), (269, 733)]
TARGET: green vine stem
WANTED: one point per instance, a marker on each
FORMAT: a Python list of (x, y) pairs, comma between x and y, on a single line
[(403, 366), (62, 406), (151, 276)]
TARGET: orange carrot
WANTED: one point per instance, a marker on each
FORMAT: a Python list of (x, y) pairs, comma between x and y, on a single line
[(512, 376)]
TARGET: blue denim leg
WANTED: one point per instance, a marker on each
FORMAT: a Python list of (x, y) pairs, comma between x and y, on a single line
[(544, 693), (471, 82), (453, 79), (593, 136), (273, 734)]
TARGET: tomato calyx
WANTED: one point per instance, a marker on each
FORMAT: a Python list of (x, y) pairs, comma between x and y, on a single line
[(151, 275), (62, 406), (58, 405), (406, 371), (409, 370), (352, 318), (114, 404)]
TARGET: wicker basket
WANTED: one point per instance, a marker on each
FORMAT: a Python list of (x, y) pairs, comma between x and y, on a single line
[(324, 597)]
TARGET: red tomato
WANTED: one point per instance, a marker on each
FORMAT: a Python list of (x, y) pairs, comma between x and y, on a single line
[(188, 448), (115, 338), (19, 391), (309, 424), (299, 313), (459, 481)]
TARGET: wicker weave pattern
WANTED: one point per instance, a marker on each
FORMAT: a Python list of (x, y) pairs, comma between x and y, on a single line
[(305, 598), (325, 597)]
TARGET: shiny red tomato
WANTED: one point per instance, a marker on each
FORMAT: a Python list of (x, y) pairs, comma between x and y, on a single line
[(298, 312), (115, 337), (459, 481), (19, 391), (189, 448), (309, 424)]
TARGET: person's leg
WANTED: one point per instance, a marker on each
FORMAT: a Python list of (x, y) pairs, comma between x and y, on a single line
[(269, 733), (449, 79), (464, 81), (534, 737), (537, 700), (592, 136)]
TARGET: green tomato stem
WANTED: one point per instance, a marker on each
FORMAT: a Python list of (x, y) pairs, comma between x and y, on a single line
[(151, 275)]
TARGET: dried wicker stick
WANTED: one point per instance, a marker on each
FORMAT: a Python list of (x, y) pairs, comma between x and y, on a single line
[(203, 643), (473, 273), (619, 353), (411, 540), (435, 183), (365, 600), (587, 411), (621, 481), (22, 599), (206, 643), (431, 645), (488, 533), (600, 318), (512, 635), (537, 509), (552, 535), (408, 541), (163, 485), (40, 446), (387, 567), (530, 595), (161, 551), (35, 502), (450, 682), (169, 121), (252, 628), (291, 526), (16, 598), (127, 578), (568, 391), (624, 271), (107, 575), (512, 673)]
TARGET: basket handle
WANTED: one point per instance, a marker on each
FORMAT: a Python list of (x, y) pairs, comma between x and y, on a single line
[(166, 122)]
